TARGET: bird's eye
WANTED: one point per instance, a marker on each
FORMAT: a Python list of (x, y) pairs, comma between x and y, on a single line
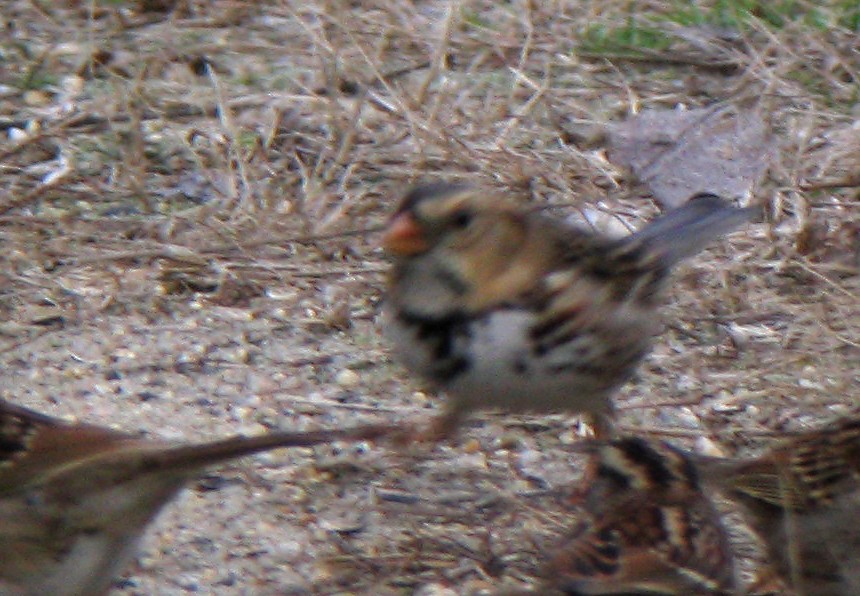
[(461, 219)]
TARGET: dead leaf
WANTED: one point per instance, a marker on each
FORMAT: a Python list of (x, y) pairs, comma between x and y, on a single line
[(677, 153)]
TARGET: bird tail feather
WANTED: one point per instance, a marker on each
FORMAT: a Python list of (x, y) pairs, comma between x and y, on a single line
[(685, 231)]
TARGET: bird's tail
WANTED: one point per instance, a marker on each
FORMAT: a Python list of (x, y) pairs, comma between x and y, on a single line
[(684, 231)]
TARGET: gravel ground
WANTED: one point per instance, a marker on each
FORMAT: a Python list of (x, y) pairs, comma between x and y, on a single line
[(175, 262)]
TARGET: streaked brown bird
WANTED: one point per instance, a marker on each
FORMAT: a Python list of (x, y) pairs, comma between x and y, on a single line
[(802, 498), (75, 498), (506, 308), (647, 528)]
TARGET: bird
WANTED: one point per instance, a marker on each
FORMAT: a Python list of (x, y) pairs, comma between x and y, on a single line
[(802, 498), (503, 307), (646, 527), (75, 498)]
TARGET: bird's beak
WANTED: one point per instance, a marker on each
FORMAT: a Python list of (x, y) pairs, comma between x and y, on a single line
[(403, 237)]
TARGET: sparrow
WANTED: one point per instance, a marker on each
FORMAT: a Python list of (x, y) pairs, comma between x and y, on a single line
[(802, 497), (502, 307), (75, 498), (647, 527)]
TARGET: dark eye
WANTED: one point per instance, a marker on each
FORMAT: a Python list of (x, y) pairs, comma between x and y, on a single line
[(461, 219)]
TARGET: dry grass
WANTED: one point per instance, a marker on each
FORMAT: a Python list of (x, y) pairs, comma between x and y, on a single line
[(180, 196)]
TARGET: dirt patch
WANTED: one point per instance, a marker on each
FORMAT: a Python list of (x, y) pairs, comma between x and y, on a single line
[(187, 215)]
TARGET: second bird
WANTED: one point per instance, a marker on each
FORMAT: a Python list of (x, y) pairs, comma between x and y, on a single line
[(507, 308)]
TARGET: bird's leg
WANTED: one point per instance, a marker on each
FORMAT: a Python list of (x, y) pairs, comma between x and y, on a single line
[(603, 429)]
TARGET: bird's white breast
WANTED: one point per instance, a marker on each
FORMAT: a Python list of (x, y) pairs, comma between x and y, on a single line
[(503, 369)]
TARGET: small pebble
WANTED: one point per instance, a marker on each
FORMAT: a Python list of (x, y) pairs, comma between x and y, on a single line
[(706, 446), (16, 134), (35, 97), (508, 441), (188, 582), (435, 590), (472, 446), (569, 437), (347, 378)]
